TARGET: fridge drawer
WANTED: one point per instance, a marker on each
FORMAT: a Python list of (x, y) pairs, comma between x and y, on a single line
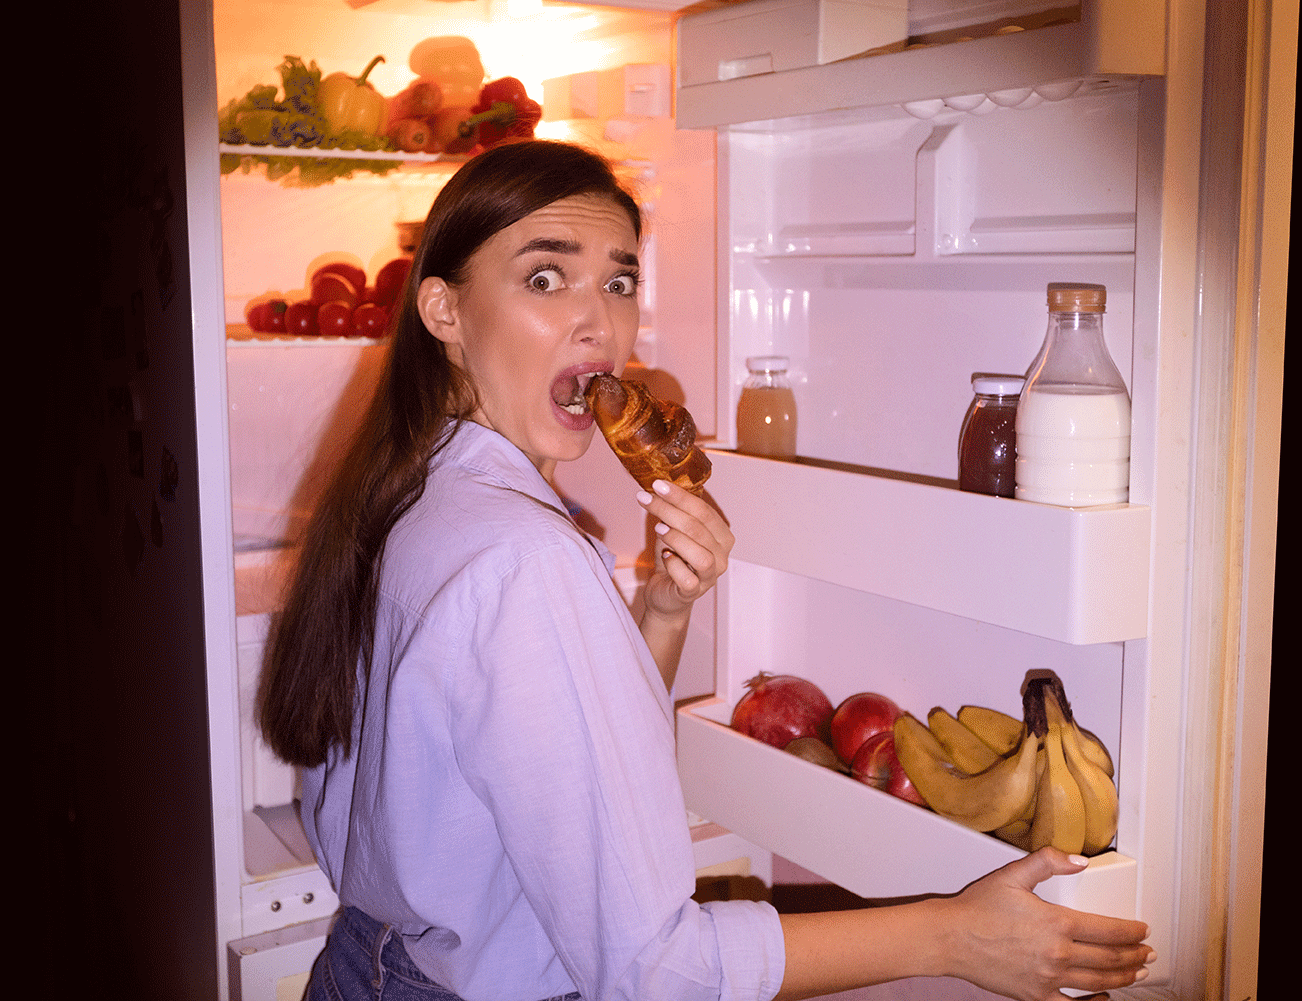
[(275, 965), (767, 36), (1079, 575), (851, 834)]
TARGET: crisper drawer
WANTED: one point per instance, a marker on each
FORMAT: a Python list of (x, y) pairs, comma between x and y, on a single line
[(1078, 575), (851, 834)]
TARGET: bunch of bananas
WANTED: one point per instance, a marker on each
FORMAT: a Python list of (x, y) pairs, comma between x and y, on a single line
[(1038, 781)]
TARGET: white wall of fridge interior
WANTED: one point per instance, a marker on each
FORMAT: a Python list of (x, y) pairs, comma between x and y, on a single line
[(890, 224)]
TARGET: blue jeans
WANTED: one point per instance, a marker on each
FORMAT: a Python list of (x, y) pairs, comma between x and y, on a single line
[(365, 961)]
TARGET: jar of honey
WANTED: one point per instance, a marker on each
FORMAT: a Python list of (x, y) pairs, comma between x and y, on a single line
[(766, 410), (987, 444)]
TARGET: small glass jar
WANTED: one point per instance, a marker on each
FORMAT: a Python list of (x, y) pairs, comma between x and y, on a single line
[(987, 444), (766, 410)]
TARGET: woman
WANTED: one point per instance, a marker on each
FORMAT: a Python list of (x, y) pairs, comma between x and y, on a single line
[(487, 734)]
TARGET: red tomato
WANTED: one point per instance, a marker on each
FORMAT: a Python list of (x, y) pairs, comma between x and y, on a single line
[(330, 287), (276, 316), (258, 317), (389, 279), (334, 319), (370, 320), (351, 273), (300, 319)]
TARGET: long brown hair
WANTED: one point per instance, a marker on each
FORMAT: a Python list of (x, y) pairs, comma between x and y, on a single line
[(324, 636)]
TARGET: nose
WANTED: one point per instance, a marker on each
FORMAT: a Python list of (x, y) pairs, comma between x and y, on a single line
[(595, 322)]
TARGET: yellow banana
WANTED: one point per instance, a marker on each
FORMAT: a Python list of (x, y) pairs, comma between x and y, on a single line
[(1097, 790), (1017, 832), (984, 801), (963, 746), (1090, 744), (1060, 809), (1094, 750), (999, 731)]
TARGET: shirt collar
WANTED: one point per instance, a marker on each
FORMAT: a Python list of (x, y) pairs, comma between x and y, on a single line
[(488, 454)]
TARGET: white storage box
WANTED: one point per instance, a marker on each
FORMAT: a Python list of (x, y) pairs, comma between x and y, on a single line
[(769, 36)]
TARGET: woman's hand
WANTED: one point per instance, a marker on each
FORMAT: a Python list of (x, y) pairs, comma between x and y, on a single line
[(691, 553), (1008, 940)]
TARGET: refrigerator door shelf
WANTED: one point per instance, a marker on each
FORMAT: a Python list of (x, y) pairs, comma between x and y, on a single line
[(1078, 575), (1110, 40), (858, 837)]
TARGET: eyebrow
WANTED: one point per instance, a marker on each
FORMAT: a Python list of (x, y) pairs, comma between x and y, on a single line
[(551, 246)]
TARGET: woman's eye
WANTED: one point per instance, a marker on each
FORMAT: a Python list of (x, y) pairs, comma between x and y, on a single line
[(546, 280), (623, 285)]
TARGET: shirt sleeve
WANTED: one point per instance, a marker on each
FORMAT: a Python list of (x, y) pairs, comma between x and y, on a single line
[(563, 729)]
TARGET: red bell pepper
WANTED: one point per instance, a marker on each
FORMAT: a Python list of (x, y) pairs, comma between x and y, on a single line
[(504, 111)]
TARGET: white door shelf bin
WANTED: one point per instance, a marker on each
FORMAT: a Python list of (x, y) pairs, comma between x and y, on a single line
[(851, 834), (1078, 575)]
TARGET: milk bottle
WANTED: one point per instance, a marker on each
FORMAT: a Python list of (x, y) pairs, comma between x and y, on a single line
[(1073, 416)]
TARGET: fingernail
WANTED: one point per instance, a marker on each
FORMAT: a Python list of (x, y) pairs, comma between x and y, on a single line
[(661, 487), (644, 498), (1078, 860), (661, 528), (1152, 957), (1143, 972)]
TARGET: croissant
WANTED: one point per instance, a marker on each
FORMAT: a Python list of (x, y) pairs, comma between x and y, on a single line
[(654, 439)]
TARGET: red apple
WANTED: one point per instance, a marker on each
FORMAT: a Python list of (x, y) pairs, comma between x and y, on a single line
[(778, 708), (859, 717), (876, 764)]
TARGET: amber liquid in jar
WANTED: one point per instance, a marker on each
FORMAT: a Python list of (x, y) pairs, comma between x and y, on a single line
[(766, 410), (987, 445)]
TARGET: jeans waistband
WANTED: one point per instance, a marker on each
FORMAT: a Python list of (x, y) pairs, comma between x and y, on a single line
[(368, 932)]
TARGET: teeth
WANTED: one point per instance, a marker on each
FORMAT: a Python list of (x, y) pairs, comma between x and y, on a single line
[(577, 409)]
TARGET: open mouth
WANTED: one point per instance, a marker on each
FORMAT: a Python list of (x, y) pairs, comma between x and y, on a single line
[(567, 392)]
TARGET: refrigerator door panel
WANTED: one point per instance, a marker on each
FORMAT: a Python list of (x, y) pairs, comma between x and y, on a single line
[(1079, 575)]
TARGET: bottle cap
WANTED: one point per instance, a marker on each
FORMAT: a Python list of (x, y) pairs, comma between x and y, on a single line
[(994, 384), (766, 363), (1077, 297)]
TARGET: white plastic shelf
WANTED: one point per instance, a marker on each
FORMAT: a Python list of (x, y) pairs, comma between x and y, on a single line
[(1078, 575), (1109, 40), (851, 834)]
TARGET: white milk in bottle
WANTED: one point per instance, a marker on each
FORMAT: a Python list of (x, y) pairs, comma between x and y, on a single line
[(1073, 417)]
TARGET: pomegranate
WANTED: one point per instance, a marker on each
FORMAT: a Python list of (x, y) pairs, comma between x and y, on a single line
[(778, 708), (876, 764), (859, 717)]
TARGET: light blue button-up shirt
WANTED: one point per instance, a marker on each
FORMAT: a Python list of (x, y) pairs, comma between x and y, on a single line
[(512, 804)]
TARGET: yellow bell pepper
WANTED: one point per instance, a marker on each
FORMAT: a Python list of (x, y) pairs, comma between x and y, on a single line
[(350, 104)]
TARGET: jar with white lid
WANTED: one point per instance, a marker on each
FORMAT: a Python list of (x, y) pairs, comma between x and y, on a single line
[(766, 410), (987, 443)]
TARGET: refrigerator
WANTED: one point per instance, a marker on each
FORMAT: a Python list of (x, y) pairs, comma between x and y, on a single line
[(879, 192)]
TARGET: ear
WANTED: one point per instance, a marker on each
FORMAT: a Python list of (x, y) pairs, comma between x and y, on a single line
[(436, 302)]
